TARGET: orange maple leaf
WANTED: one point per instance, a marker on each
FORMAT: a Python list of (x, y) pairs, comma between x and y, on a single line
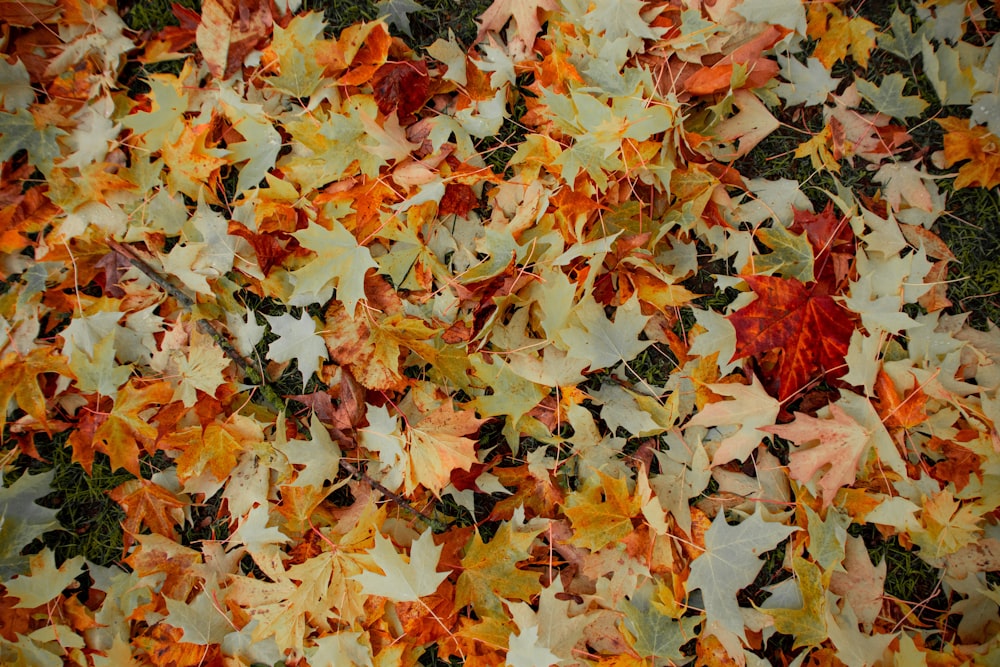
[(975, 144), (22, 381), (147, 503), (896, 410), (811, 330), (126, 427), (601, 513)]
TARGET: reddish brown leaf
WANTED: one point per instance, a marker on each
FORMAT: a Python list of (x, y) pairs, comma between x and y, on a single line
[(959, 464), (458, 199), (832, 240), (269, 248), (810, 331), (401, 86)]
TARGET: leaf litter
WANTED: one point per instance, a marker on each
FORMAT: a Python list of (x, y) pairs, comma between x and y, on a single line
[(282, 281)]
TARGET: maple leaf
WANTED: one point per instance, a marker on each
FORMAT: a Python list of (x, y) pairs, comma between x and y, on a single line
[(861, 584), (22, 519), (592, 336), (340, 259), (817, 149), (201, 620), (888, 97), (838, 35), (228, 31), (524, 13), (730, 562), (193, 163), (214, 449), (791, 256), (19, 130), (200, 369), (601, 513), (896, 410), (127, 425), (808, 84), (437, 447), (147, 503), (490, 574), (397, 13), (404, 581), (751, 411), (656, 635), (298, 339), (841, 443), (22, 381), (45, 582), (947, 525), (810, 329), (963, 141), (296, 46), (808, 623), (401, 87)]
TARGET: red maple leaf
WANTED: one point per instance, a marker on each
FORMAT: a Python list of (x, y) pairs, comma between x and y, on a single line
[(833, 244), (401, 86), (458, 199), (810, 331)]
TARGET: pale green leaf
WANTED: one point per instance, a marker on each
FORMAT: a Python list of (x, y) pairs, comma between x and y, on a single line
[(297, 339), (404, 580), (902, 41), (791, 256), (808, 84), (45, 582), (654, 634), (888, 97), (15, 86), (788, 13), (19, 131), (203, 620), (340, 262), (524, 650), (594, 337), (22, 519), (730, 562), (397, 13)]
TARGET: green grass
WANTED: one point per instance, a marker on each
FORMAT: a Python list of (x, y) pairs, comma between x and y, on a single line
[(432, 22), (91, 521)]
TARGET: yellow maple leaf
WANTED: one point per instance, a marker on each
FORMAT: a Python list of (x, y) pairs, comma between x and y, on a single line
[(818, 151), (602, 512), (808, 623), (838, 35)]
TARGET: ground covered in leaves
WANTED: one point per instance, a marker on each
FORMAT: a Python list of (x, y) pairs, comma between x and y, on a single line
[(617, 333)]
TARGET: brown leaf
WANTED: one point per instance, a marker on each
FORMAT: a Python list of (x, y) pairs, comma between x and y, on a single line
[(402, 87)]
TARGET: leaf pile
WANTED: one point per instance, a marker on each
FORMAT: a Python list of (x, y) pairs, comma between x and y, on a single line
[(587, 395)]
